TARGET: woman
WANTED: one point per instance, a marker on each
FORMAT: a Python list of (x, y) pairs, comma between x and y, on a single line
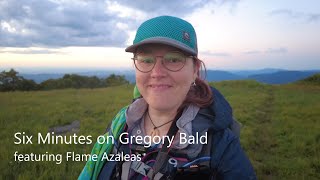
[(189, 124)]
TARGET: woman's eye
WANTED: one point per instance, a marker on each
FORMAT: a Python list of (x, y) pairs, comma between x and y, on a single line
[(174, 60), (147, 60)]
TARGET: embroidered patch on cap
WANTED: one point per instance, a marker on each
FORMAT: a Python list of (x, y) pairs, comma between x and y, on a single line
[(186, 36)]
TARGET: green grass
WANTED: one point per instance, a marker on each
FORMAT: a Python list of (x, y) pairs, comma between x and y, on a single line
[(280, 133), (33, 112), (314, 79)]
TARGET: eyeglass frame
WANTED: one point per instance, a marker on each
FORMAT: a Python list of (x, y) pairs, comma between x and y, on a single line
[(155, 57)]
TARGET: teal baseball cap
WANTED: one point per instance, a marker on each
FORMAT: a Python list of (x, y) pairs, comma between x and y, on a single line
[(166, 30)]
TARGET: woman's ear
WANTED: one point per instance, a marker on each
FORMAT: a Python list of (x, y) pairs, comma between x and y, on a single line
[(196, 65)]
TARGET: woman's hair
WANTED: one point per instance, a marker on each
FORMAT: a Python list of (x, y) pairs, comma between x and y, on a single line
[(200, 94)]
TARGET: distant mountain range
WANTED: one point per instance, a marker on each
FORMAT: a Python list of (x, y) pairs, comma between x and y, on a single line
[(269, 76), (282, 77)]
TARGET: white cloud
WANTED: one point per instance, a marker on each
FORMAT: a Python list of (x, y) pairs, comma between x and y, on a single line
[(43, 23), (7, 27), (280, 50), (122, 11), (296, 15)]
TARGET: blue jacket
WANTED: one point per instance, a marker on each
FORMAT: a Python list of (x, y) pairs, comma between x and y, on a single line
[(228, 160)]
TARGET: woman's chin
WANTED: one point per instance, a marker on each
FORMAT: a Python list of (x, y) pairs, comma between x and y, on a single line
[(161, 106), (162, 101)]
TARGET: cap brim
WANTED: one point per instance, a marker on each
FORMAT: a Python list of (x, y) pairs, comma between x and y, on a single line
[(162, 40)]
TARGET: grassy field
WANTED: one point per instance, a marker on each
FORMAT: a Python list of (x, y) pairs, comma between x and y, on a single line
[(281, 127)]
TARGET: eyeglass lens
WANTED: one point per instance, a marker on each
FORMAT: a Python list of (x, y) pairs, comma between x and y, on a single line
[(173, 61)]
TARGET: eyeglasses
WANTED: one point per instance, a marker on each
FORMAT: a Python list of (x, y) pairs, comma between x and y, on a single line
[(172, 61)]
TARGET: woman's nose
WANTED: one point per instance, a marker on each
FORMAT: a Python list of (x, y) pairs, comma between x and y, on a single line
[(158, 69)]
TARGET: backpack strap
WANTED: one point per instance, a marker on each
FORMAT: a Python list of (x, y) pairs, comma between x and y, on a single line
[(163, 153)]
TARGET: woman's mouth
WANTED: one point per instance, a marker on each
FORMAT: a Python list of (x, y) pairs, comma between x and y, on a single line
[(159, 86)]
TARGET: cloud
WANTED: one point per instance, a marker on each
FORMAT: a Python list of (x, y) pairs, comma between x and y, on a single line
[(63, 23), (59, 23), (280, 50), (308, 17), (143, 9), (164, 7), (233, 4), (276, 50), (31, 51), (220, 54), (252, 52), (313, 17)]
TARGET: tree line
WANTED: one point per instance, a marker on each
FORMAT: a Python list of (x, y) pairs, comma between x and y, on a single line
[(11, 81)]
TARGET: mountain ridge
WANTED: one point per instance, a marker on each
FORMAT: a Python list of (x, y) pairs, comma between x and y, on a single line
[(267, 75)]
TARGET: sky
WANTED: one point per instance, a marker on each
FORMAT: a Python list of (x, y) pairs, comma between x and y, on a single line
[(232, 34)]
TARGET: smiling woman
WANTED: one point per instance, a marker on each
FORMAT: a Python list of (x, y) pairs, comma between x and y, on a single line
[(176, 105), (164, 84)]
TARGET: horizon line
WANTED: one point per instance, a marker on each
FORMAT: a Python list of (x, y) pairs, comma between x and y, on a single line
[(38, 70)]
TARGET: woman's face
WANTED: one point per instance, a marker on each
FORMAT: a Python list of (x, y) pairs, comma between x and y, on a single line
[(165, 90)]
